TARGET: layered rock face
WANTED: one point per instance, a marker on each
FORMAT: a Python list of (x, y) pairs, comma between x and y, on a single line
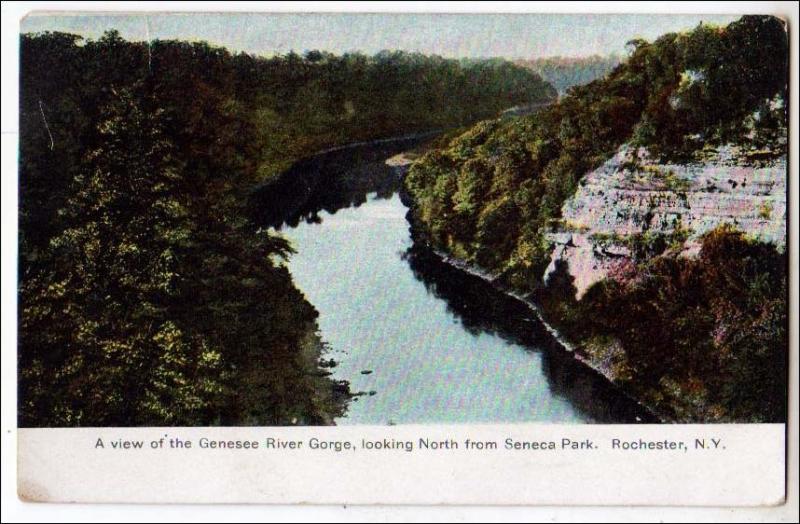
[(632, 197)]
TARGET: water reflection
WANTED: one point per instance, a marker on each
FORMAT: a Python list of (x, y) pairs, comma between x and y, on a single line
[(425, 342), (483, 309), (329, 182)]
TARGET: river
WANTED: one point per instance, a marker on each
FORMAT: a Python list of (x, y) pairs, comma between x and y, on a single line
[(418, 340)]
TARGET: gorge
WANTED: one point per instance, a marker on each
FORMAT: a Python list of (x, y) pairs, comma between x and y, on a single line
[(418, 340), (212, 237)]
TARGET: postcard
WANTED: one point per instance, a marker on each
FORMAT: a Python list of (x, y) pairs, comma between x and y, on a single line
[(403, 258)]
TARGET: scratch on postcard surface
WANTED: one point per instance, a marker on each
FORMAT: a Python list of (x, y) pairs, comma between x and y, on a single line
[(41, 109), (149, 53)]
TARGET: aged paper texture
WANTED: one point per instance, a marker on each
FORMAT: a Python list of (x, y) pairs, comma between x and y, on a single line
[(403, 258)]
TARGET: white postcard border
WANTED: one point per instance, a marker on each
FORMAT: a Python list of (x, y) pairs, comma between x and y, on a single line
[(14, 509)]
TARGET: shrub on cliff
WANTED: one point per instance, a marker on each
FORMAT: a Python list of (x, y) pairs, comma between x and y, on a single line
[(705, 338)]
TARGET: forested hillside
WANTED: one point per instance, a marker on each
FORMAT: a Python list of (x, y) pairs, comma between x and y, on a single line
[(708, 331), (146, 295)]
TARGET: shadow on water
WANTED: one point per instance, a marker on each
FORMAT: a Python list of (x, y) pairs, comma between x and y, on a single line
[(330, 181), (344, 178), (483, 309)]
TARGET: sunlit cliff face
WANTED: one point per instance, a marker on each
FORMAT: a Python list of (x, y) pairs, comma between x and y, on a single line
[(617, 204)]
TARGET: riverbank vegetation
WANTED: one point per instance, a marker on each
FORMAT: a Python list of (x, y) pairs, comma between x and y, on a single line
[(700, 338), (146, 295), (492, 194)]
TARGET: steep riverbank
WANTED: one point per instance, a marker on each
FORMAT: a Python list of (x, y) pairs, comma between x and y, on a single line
[(554, 340), (644, 213), (618, 228), (476, 355), (663, 273)]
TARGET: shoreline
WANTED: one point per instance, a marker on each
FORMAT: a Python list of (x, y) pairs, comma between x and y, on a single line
[(337, 149), (417, 236), (400, 163)]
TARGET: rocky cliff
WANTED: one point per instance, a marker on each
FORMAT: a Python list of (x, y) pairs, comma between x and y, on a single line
[(664, 259), (632, 205)]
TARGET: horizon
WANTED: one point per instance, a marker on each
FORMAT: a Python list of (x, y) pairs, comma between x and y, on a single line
[(472, 36)]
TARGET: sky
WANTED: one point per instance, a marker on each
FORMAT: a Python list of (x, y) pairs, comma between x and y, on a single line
[(448, 35)]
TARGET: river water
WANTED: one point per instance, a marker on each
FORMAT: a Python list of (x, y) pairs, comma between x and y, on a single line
[(418, 340)]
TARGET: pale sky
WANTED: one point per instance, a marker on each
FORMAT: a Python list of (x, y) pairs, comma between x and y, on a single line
[(448, 35)]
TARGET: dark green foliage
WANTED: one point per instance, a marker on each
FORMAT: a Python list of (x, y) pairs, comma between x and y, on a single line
[(714, 83), (705, 337), (150, 303), (147, 297), (305, 105), (673, 96)]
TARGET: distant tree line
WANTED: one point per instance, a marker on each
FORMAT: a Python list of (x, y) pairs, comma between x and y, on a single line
[(564, 72)]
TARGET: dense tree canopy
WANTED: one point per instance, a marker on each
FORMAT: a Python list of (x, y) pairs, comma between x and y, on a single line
[(147, 297), (704, 338), (491, 195), (673, 96)]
